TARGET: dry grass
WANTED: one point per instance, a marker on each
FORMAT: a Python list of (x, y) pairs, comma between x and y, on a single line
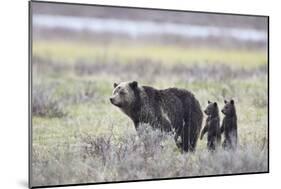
[(130, 157)]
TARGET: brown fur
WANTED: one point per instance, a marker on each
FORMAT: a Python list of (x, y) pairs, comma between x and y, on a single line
[(170, 110)]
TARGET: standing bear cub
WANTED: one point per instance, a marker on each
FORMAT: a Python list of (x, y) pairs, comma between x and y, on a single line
[(170, 110), (229, 125), (212, 126)]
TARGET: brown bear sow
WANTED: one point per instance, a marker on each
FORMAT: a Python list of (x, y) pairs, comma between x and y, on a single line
[(170, 110), (212, 126), (229, 125)]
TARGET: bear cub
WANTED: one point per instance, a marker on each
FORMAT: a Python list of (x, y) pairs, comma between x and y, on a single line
[(212, 126), (229, 125)]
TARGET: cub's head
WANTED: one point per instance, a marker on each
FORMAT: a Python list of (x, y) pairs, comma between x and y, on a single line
[(211, 109), (229, 108), (123, 94)]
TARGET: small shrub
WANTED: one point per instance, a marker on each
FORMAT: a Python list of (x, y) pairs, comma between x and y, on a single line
[(44, 102)]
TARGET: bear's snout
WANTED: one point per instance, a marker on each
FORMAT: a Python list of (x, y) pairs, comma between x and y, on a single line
[(111, 99), (115, 102)]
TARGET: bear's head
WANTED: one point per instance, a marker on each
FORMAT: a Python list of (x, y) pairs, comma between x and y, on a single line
[(229, 108), (211, 109), (123, 94)]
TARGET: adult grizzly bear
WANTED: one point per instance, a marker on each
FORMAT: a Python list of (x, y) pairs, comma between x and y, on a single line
[(170, 110)]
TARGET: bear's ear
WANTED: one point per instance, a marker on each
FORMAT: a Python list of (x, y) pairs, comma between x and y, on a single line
[(209, 102), (232, 101), (225, 101), (115, 85), (133, 84), (215, 104)]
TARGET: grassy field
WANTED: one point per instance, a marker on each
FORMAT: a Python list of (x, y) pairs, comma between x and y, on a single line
[(79, 137), (167, 54)]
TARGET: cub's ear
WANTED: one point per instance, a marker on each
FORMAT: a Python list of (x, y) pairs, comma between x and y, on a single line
[(115, 85), (133, 84), (215, 104), (225, 101), (232, 101), (209, 102)]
